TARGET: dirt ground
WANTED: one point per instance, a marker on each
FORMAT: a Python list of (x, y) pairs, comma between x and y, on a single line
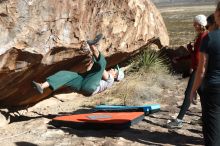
[(31, 127)]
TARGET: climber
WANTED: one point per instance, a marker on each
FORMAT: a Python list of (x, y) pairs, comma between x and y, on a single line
[(96, 79)]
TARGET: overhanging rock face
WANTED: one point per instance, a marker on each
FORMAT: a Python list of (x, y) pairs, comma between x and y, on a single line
[(36, 38)]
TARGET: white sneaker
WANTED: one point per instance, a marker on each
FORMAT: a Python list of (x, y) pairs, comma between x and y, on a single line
[(38, 87), (175, 123)]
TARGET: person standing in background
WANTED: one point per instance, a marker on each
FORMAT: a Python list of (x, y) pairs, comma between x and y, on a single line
[(208, 73), (199, 24)]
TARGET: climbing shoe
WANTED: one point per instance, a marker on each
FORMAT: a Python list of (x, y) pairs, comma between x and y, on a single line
[(96, 40), (38, 87)]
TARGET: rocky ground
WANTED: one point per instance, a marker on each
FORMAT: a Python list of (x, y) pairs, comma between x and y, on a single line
[(30, 127)]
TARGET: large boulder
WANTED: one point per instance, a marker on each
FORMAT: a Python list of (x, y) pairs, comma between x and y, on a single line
[(37, 37)]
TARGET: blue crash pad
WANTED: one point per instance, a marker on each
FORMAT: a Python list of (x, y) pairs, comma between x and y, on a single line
[(147, 109)]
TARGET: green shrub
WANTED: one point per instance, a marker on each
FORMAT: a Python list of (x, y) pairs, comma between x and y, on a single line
[(150, 61)]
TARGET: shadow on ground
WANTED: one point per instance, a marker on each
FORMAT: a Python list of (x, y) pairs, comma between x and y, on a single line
[(141, 135)]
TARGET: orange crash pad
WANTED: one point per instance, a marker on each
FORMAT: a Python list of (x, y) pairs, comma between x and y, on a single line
[(99, 120)]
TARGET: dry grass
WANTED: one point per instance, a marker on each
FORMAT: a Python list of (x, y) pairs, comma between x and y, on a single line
[(136, 89), (179, 22)]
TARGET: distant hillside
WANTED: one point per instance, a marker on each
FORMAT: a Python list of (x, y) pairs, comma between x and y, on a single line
[(182, 2)]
